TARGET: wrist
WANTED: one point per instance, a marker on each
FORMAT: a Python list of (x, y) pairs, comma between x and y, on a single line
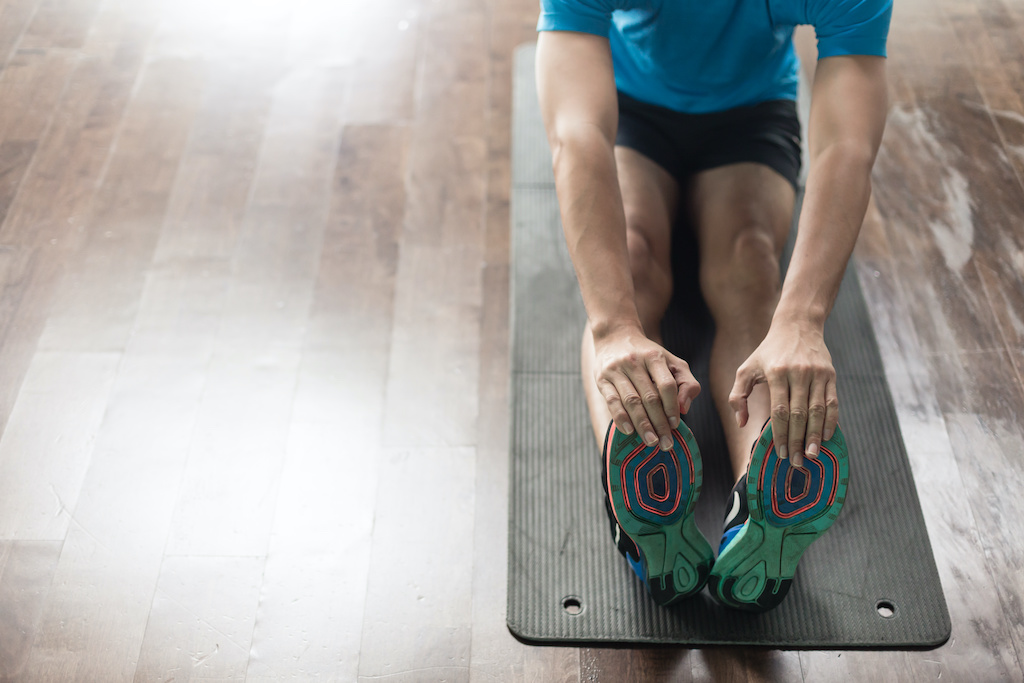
[(804, 316), (602, 328)]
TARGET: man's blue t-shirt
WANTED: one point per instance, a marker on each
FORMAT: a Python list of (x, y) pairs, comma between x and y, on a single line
[(699, 56)]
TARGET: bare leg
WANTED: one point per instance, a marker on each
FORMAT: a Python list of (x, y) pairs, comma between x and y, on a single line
[(649, 197), (742, 214)]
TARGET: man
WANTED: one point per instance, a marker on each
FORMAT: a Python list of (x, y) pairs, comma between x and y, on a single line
[(661, 108)]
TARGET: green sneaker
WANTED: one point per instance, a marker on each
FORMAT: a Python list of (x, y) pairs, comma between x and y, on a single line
[(788, 508), (650, 496)]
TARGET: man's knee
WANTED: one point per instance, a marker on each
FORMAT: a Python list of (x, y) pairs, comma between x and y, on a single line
[(746, 269), (648, 261)]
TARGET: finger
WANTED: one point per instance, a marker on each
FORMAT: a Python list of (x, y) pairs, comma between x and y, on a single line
[(815, 418), (634, 405), (831, 409), (667, 389), (652, 406), (778, 390), (797, 419), (619, 415), (687, 386), (741, 388)]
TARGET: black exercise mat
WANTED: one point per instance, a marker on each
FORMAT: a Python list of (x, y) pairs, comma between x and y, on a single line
[(560, 550)]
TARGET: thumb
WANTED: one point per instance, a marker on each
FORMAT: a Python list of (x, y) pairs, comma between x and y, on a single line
[(688, 386), (746, 378)]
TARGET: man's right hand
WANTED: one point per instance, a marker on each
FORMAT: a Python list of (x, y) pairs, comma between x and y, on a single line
[(645, 386)]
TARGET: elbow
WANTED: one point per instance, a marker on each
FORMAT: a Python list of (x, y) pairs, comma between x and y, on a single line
[(855, 155), (578, 141)]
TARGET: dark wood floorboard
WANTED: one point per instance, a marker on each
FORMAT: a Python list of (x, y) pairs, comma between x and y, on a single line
[(254, 280)]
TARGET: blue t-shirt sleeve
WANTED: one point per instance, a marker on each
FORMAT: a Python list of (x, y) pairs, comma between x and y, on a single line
[(584, 16), (850, 27)]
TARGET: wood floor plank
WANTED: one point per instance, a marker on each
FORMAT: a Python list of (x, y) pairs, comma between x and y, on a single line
[(201, 623), (229, 487), (354, 296), (635, 664), (384, 76), (431, 391), (324, 33), (447, 164), (46, 448), (60, 24), (14, 18), (31, 85), (26, 570), (15, 156), (95, 616), (311, 608), (1001, 76), (418, 612), (1002, 278), (982, 412)]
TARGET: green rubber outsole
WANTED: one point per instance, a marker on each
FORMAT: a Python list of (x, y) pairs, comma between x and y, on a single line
[(676, 558), (756, 569)]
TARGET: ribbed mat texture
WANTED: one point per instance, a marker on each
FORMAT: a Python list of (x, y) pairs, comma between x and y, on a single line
[(560, 548)]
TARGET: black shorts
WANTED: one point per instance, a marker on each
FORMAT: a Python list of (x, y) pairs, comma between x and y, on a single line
[(683, 144)]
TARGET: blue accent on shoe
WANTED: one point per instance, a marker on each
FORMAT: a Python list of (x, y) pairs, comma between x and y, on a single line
[(730, 534), (638, 568)]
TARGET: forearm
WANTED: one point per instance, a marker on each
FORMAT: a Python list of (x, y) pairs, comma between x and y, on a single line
[(848, 109), (836, 198), (594, 226)]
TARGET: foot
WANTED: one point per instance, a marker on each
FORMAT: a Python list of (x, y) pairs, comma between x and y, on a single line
[(650, 496), (774, 513)]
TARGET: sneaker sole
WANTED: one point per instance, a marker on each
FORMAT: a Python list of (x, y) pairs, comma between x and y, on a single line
[(675, 558), (790, 508)]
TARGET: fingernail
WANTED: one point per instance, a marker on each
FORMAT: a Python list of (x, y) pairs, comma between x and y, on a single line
[(797, 460), (829, 433), (674, 421), (666, 443), (812, 451), (736, 416), (628, 429), (781, 450), (651, 439), (686, 406)]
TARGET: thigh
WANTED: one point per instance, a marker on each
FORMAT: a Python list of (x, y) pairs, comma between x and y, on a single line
[(650, 199), (744, 201)]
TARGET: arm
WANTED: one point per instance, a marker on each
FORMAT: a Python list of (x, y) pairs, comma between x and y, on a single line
[(645, 386), (848, 109)]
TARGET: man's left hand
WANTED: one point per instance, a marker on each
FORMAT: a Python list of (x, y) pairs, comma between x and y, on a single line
[(797, 367)]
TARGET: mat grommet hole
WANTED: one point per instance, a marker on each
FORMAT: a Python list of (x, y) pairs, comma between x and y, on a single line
[(572, 605), (886, 609)]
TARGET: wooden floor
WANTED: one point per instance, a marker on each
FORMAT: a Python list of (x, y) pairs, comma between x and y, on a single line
[(254, 342)]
